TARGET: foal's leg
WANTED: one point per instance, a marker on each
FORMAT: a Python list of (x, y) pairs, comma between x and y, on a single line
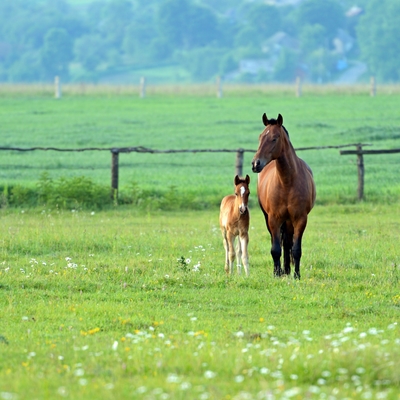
[(243, 242), (231, 251), (226, 247), (239, 256)]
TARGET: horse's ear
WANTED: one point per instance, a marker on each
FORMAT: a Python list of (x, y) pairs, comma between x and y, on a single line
[(280, 120), (237, 180), (247, 179), (265, 119)]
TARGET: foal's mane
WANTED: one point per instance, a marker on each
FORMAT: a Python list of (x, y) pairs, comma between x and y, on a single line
[(273, 121)]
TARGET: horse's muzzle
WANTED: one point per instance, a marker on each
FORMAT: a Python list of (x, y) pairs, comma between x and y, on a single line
[(256, 166)]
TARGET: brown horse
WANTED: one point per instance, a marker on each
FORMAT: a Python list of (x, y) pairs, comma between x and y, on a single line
[(234, 221), (286, 193)]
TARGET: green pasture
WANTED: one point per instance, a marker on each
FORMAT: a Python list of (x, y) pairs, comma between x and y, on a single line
[(123, 304), (172, 120), (132, 301)]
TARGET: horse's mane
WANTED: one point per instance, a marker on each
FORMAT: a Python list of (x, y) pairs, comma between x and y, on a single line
[(273, 121)]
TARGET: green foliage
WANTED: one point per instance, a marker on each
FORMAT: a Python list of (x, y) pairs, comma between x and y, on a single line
[(186, 25), (202, 63), (285, 68), (66, 193), (328, 13), (109, 40), (377, 34), (260, 21)]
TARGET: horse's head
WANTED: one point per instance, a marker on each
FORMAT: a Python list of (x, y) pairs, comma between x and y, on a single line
[(242, 193), (271, 142)]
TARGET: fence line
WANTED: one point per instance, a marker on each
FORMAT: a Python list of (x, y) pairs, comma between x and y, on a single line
[(115, 151), (360, 164), (142, 149), (219, 86)]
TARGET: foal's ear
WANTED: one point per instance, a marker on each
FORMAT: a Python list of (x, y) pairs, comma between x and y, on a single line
[(247, 179), (236, 180), (280, 120), (265, 119)]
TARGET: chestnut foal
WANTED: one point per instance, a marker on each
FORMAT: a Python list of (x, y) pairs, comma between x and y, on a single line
[(234, 221)]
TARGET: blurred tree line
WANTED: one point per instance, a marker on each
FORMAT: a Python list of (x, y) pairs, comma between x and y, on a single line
[(251, 41)]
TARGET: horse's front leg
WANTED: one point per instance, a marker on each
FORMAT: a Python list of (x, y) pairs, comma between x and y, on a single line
[(276, 252), (287, 242)]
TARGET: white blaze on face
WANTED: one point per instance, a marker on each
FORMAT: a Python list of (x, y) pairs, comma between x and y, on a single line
[(242, 206)]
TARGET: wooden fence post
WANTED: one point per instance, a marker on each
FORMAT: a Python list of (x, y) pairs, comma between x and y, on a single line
[(219, 87), (373, 87), (298, 86), (239, 162), (57, 87), (114, 174), (142, 87), (360, 167)]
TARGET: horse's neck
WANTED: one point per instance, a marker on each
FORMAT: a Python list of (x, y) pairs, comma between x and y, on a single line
[(287, 164)]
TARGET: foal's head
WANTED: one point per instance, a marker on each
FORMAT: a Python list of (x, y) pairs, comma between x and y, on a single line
[(271, 142), (242, 193)]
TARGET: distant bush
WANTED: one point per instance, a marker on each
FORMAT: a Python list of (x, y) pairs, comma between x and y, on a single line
[(82, 193)]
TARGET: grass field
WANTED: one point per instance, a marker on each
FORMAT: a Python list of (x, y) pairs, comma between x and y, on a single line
[(116, 304), (167, 121), (133, 302)]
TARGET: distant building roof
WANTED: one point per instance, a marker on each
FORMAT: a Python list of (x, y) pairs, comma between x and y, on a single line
[(354, 11), (278, 40)]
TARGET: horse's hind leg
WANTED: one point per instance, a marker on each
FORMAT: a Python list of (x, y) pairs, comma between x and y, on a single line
[(297, 257), (296, 251)]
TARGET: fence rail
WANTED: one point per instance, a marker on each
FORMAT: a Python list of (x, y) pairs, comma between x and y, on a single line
[(360, 164), (115, 151)]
